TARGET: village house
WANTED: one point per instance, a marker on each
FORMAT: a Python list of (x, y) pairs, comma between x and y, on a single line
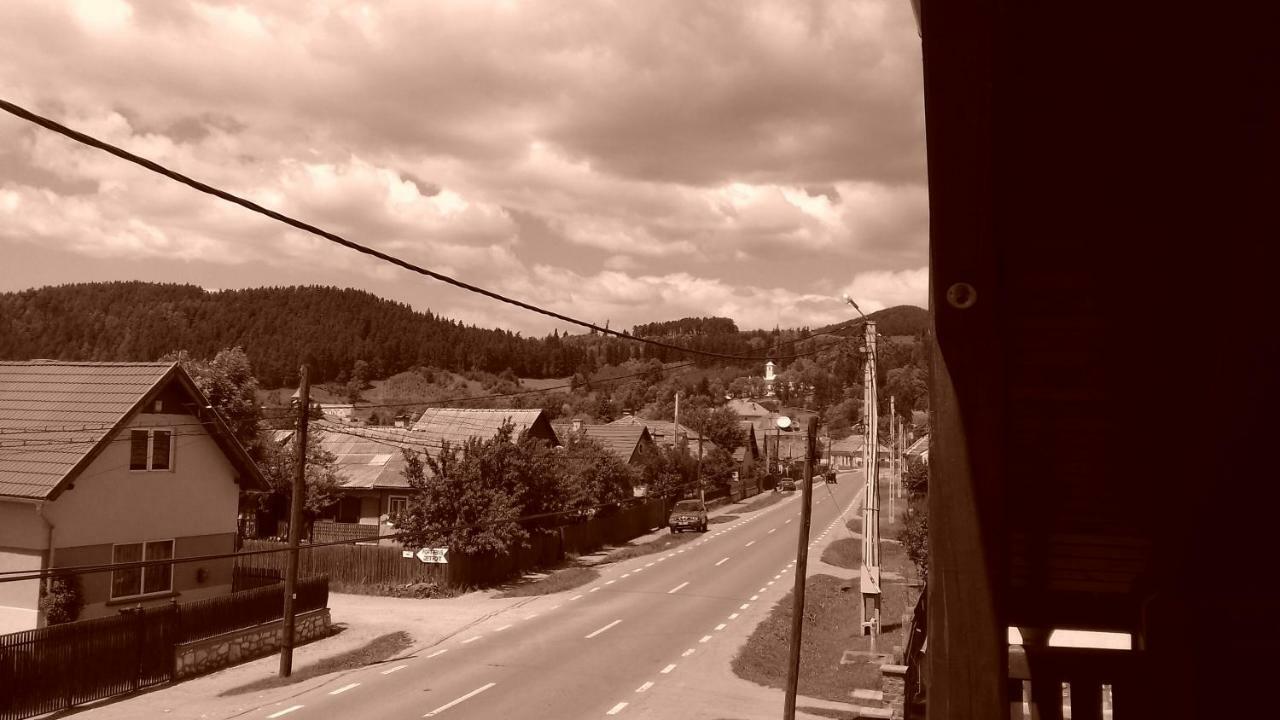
[(105, 463), (629, 443), (370, 461), (668, 434)]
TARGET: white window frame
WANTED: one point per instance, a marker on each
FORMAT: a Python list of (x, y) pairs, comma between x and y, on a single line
[(142, 577), (391, 502), (151, 450)]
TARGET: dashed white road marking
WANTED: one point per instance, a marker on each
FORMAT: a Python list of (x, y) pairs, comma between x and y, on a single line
[(575, 597), (722, 561), (285, 711), (644, 687), (504, 627), (394, 669), (553, 607), (473, 638), (594, 589), (744, 606), (627, 575), (649, 565), (688, 652), (666, 670), (704, 638), (610, 582), (606, 627), (769, 583), (734, 616), (762, 589), (464, 698), (344, 688), (531, 616), (771, 530), (755, 598), (721, 626), (676, 589), (438, 653), (616, 709), (753, 542)]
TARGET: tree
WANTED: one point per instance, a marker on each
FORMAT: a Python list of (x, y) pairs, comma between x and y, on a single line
[(720, 425), (470, 497), (666, 471), (227, 381), (914, 534), (593, 477), (62, 601), (321, 483)]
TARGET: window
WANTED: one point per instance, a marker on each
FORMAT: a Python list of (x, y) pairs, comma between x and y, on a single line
[(150, 449), (144, 580), (396, 505)]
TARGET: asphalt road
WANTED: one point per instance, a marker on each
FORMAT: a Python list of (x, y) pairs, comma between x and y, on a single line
[(628, 645)]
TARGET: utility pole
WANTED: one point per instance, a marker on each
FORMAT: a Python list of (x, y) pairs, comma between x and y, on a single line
[(295, 525), (677, 412), (702, 491), (870, 574), (893, 458), (802, 563)]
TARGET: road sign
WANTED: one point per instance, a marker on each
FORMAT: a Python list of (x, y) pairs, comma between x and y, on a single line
[(434, 555)]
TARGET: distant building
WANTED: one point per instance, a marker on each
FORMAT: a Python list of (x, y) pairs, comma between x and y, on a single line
[(769, 377)]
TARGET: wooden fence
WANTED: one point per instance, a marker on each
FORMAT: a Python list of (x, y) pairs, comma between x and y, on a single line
[(368, 565), (60, 666)]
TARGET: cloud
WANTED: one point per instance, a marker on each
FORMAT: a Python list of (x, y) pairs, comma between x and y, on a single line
[(658, 158), (880, 289)]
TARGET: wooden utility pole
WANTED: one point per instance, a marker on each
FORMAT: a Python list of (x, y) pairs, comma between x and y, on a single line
[(870, 572), (295, 525), (702, 490), (802, 563), (893, 458)]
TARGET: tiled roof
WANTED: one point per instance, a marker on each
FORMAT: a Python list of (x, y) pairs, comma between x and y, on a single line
[(748, 408), (853, 444), (665, 432), (621, 440), (458, 424), (53, 414)]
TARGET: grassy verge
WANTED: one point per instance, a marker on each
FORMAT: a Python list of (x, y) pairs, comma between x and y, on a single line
[(557, 581), (664, 542), (376, 650), (420, 591), (831, 623)]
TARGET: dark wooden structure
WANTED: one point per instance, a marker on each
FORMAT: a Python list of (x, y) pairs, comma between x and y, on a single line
[(1101, 180)]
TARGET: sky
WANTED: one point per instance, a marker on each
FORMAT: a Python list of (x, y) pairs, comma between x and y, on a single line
[(619, 162)]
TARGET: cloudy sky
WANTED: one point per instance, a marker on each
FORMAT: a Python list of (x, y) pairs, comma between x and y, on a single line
[(619, 161)]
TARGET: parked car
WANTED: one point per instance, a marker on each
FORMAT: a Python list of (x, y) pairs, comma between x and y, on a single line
[(688, 515), (787, 486)]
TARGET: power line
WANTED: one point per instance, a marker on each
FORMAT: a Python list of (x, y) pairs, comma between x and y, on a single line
[(155, 167)]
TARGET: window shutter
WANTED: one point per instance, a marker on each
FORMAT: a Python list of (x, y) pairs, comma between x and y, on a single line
[(160, 449), (138, 450)]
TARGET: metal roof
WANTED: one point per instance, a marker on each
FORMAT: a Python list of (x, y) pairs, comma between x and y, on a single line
[(457, 425), (665, 432)]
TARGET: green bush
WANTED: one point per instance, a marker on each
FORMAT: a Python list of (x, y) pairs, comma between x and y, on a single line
[(915, 535), (62, 601)]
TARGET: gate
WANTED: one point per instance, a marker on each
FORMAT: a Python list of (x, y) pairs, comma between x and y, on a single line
[(57, 667)]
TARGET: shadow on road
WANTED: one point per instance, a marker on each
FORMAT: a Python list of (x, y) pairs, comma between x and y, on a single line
[(375, 651)]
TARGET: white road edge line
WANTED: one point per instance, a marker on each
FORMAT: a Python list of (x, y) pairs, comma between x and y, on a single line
[(575, 597), (285, 711), (606, 627), (464, 698), (344, 688), (394, 669), (438, 652), (504, 627), (616, 709), (676, 589), (473, 638)]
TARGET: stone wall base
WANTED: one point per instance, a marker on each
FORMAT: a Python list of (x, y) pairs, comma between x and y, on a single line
[(202, 656)]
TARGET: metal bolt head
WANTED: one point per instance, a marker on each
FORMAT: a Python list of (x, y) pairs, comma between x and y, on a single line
[(962, 296)]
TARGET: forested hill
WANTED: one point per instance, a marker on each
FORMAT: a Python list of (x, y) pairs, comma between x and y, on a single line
[(276, 326), (337, 327)]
